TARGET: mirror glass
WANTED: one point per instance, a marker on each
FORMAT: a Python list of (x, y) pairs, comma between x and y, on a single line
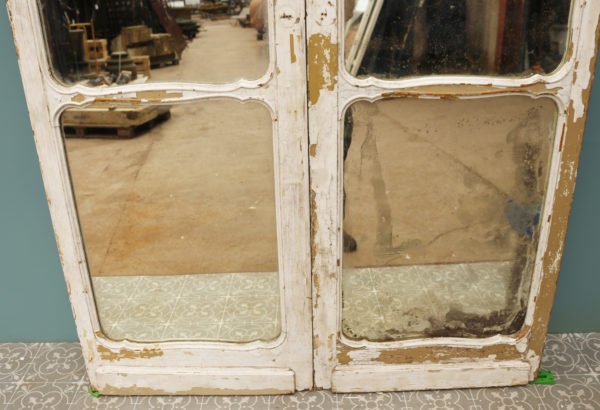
[(177, 211), (442, 208), (390, 39), (104, 43)]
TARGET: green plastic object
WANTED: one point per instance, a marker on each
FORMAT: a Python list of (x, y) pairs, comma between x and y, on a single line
[(544, 377), (94, 393)]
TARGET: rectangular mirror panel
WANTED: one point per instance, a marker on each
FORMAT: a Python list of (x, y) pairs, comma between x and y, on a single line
[(177, 211), (442, 205), (391, 39), (117, 42)]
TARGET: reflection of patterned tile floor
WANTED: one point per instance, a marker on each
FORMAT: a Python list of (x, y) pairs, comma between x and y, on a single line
[(400, 301), (243, 307), (52, 376), (230, 307)]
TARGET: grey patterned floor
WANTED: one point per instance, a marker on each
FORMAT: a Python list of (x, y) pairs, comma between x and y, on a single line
[(406, 298), (244, 307), (52, 376), (228, 307)]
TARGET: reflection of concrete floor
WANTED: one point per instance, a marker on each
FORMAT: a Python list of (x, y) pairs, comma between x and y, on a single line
[(193, 195), (240, 307), (427, 181), (222, 52), (400, 302)]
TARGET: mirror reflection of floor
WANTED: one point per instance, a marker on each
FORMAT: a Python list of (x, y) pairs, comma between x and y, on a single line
[(244, 307), (223, 52), (403, 301), (239, 307), (192, 194), (195, 194)]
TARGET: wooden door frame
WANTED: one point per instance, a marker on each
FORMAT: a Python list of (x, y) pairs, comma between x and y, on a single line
[(281, 366), (345, 366)]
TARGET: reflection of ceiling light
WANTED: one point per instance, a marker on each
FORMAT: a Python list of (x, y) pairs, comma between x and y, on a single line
[(361, 5)]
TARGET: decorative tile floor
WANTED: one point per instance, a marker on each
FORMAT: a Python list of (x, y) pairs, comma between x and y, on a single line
[(405, 298), (48, 376), (229, 307), (244, 307)]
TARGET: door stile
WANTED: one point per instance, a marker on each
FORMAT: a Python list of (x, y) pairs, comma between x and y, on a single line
[(323, 75), (291, 123), (585, 49)]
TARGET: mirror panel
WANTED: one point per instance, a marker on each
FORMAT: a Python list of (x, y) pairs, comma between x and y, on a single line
[(442, 204), (114, 42), (177, 211), (391, 39)]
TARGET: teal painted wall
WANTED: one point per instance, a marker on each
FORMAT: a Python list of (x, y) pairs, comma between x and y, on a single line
[(34, 304), (33, 296)]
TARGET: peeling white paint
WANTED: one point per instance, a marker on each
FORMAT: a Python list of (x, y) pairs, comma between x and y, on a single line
[(363, 356)]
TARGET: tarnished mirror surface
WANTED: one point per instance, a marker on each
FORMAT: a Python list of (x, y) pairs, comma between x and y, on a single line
[(177, 211), (391, 39), (115, 42), (442, 205)]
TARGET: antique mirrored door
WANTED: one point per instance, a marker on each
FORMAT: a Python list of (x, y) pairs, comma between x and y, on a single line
[(441, 139), (177, 182), (444, 141)]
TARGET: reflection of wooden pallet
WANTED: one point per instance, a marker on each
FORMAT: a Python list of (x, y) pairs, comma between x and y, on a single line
[(161, 61), (142, 64), (161, 50), (112, 120)]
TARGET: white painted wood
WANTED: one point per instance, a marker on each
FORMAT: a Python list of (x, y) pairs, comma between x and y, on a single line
[(580, 76), (189, 380), (323, 131), (353, 379), (282, 90)]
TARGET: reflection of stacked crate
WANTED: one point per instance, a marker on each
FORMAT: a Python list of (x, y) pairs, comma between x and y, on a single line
[(139, 41), (97, 49), (136, 36), (142, 64), (161, 50), (97, 53)]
